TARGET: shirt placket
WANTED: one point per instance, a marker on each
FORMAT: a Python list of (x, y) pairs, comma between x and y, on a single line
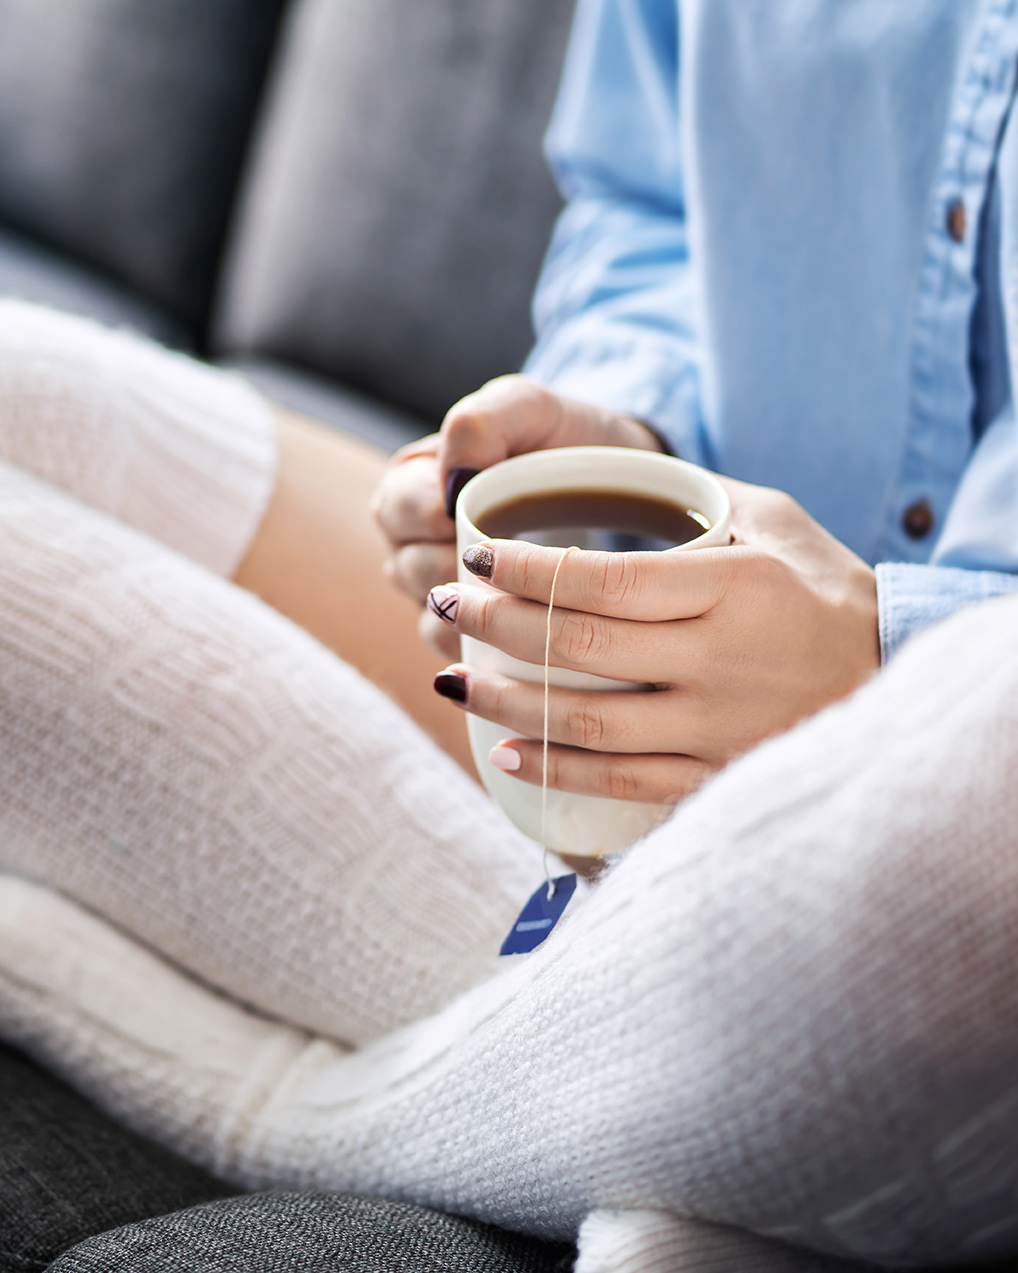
[(938, 440)]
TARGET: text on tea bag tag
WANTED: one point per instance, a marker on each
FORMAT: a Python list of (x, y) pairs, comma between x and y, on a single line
[(544, 909)]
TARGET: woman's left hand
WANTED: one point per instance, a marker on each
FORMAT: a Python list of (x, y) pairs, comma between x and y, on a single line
[(739, 642)]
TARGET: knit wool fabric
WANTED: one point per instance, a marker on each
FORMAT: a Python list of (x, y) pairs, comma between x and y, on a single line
[(656, 1242), (792, 1009), (181, 451), (201, 773)]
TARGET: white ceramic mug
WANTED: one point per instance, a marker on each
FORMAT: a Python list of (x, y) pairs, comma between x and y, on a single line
[(583, 825)]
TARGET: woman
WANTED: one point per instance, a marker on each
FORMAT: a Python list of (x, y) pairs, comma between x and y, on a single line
[(790, 1010)]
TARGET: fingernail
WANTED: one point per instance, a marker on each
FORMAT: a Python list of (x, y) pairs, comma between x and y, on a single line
[(505, 758), (454, 483), (451, 685), (479, 560), (445, 602)]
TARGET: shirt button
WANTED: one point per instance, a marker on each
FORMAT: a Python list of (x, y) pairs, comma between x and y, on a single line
[(918, 519), (956, 220)]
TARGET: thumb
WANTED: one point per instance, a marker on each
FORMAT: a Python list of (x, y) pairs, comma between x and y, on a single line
[(514, 415)]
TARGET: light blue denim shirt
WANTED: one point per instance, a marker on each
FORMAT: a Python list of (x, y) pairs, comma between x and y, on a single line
[(791, 245)]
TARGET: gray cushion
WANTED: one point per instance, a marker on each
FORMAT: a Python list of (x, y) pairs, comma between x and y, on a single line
[(33, 274), (312, 1233), (122, 126), (398, 205), (333, 404), (68, 1171)]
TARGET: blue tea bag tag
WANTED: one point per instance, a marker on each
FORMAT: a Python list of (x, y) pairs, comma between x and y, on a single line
[(539, 916)]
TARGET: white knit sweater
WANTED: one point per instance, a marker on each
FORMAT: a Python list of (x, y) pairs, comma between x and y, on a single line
[(790, 1015)]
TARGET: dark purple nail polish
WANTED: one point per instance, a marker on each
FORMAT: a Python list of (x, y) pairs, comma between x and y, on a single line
[(454, 483), (445, 602), (451, 685), (479, 560)]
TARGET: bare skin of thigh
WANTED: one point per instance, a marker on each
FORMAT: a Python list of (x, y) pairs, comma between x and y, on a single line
[(317, 558)]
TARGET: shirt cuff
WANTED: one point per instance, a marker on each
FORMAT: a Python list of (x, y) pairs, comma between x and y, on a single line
[(911, 598)]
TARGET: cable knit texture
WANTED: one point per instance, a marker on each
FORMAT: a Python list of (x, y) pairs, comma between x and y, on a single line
[(792, 1009), (655, 1242), (179, 450), (201, 773)]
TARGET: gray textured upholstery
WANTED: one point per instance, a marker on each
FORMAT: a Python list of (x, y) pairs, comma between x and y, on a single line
[(33, 274), (398, 206), (122, 127), (312, 1233)]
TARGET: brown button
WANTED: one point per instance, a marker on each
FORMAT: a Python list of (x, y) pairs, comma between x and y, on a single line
[(918, 519), (956, 220)]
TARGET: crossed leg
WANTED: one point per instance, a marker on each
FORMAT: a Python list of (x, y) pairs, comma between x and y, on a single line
[(182, 759), (791, 1009)]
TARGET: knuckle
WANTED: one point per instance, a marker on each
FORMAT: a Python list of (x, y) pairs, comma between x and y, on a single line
[(780, 505), (465, 423), (619, 580), (484, 618), (420, 567), (402, 573), (767, 573), (414, 512), (524, 577), (586, 725), (580, 638), (436, 520), (400, 511), (495, 697), (556, 769), (618, 781)]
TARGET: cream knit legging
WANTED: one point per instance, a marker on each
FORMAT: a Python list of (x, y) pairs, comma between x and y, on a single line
[(225, 859)]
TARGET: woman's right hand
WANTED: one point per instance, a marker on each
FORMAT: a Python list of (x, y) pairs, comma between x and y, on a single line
[(416, 499)]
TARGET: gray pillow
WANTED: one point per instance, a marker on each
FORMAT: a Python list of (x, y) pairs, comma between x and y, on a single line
[(122, 127), (398, 205), (31, 273)]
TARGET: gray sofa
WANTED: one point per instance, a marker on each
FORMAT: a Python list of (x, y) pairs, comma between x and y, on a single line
[(345, 199)]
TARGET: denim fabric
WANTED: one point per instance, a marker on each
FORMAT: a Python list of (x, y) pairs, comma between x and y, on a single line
[(67, 1171), (791, 246), (313, 1233)]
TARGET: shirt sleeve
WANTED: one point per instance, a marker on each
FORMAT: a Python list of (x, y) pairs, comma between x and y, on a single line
[(614, 308), (911, 598)]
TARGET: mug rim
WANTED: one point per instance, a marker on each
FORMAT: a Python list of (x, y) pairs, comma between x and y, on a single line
[(607, 480)]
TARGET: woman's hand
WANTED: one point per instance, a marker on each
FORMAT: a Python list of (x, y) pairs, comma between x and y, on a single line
[(416, 499), (739, 643)]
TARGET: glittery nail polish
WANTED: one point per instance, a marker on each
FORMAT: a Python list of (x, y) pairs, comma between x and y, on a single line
[(479, 560)]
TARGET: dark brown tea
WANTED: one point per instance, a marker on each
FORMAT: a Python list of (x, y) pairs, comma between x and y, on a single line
[(567, 516)]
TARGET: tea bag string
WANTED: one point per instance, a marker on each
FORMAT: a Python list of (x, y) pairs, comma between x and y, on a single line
[(544, 737)]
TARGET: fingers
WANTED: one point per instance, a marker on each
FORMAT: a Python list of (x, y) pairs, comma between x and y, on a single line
[(608, 721), (417, 568), (656, 779), (438, 636), (507, 416), (582, 642), (514, 415), (409, 505), (643, 586)]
